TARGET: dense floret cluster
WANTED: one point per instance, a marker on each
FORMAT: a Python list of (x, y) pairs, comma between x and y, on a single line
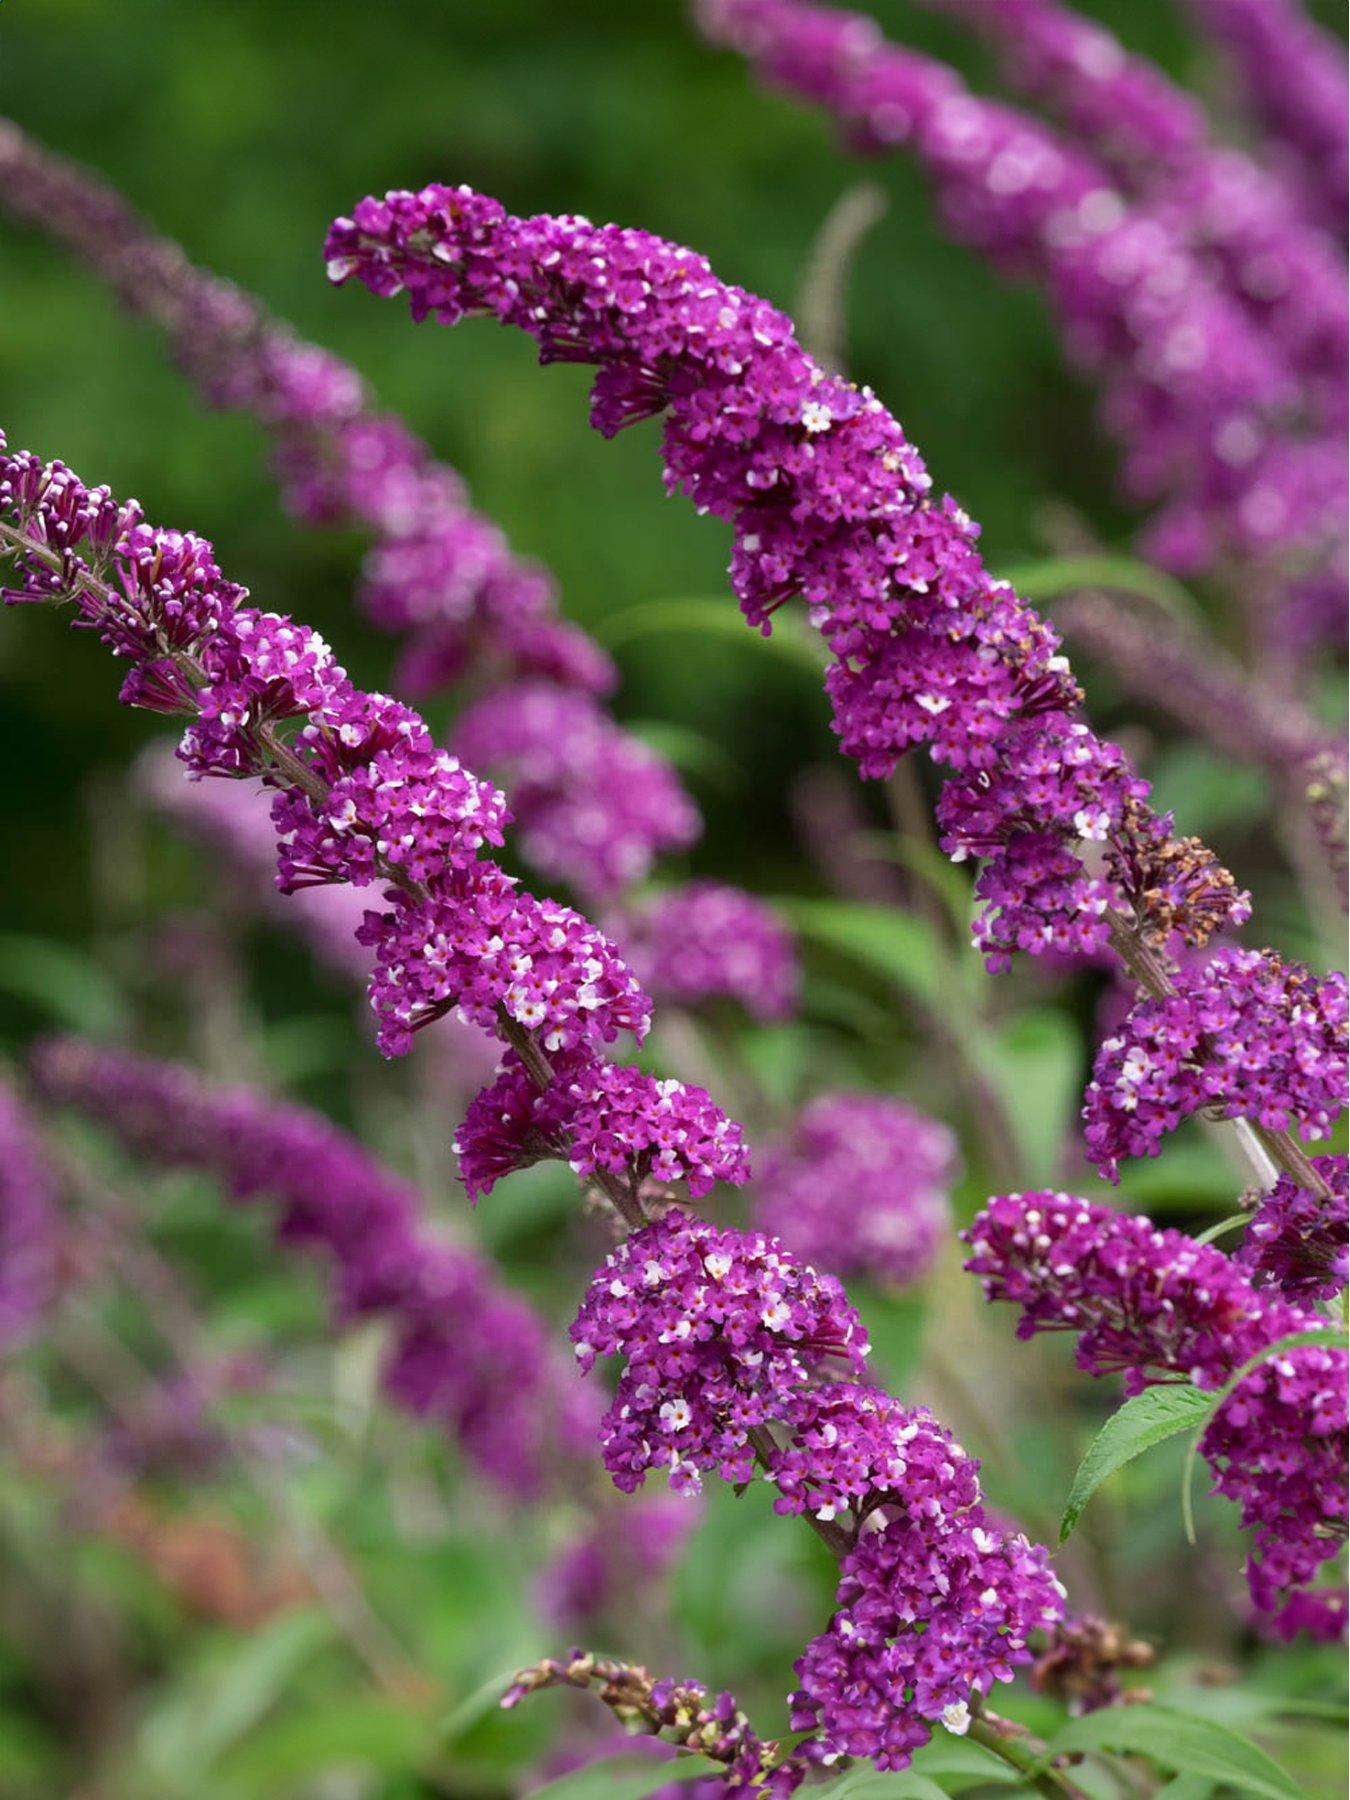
[(1155, 1305), (599, 1115), (722, 1332), (829, 500), (362, 793), (859, 1184), (1244, 1036), (479, 943), (1296, 1240), (929, 1612)]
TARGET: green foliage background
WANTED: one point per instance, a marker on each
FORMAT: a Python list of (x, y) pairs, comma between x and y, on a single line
[(240, 127)]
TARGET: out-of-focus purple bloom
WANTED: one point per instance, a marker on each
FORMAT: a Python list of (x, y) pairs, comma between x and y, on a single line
[(593, 805), (1240, 219), (28, 1224), (859, 1184), (1294, 75), (1157, 1306), (463, 1350), (438, 571), (707, 941), (1182, 364), (617, 1560)]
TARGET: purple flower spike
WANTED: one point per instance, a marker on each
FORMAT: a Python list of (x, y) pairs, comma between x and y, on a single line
[(1296, 1241)]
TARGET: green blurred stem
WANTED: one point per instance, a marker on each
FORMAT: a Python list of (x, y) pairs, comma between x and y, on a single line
[(1012, 1751)]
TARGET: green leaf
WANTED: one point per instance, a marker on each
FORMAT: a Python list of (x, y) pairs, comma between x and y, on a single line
[(692, 752), (227, 1696), (1056, 575), (711, 616), (876, 1784), (1185, 1787), (62, 982), (899, 946), (1147, 1419), (626, 1777), (1211, 792), (1231, 1223), (367, 1732), (1180, 1742), (1036, 1062), (960, 1762), (1332, 1340)]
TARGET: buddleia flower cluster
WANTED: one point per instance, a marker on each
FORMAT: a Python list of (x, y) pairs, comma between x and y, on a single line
[(1244, 1035), (599, 1115), (827, 498), (1296, 1240), (1155, 1306), (739, 1357)]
